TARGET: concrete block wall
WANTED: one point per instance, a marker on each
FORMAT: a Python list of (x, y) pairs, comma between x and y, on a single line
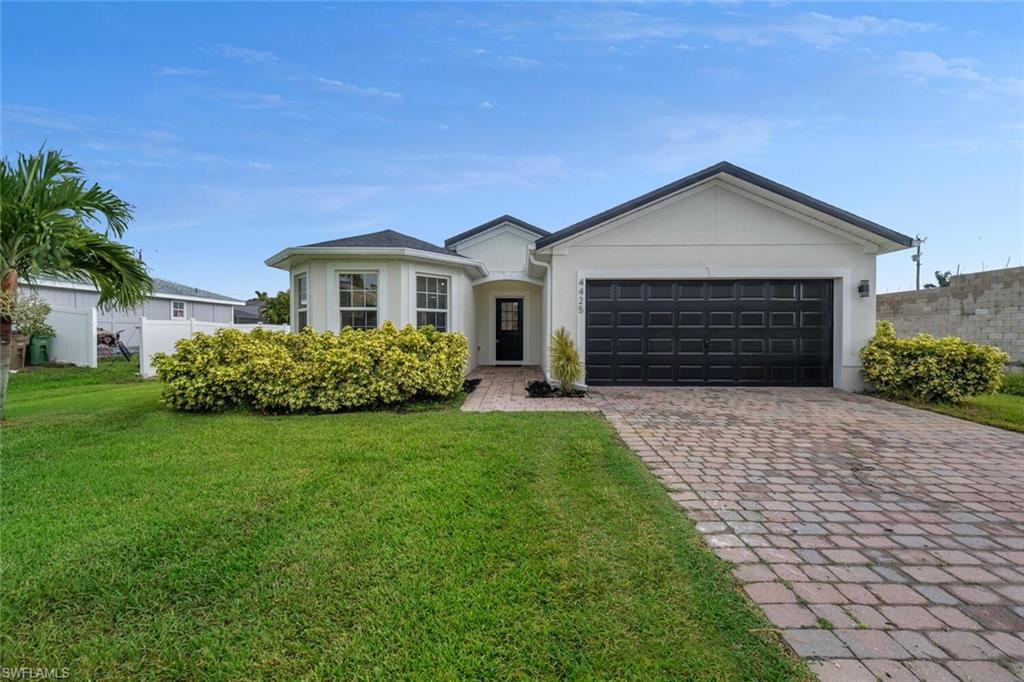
[(984, 307)]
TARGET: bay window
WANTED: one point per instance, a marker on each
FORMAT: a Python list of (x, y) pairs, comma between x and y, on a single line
[(301, 302), (432, 301), (357, 299)]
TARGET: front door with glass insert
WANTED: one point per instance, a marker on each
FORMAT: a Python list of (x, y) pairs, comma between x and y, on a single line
[(508, 334)]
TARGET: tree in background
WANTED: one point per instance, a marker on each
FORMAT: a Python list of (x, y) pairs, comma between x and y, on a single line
[(46, 221), (274, 309), (942, 278)]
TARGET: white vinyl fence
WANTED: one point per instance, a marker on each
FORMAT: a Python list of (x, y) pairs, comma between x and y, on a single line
[(159, 336), (74, 338)]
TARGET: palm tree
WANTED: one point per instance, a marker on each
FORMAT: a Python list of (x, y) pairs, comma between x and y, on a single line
[(47, 211)]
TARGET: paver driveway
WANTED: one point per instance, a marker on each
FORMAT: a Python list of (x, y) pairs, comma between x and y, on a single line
[(885, 542)]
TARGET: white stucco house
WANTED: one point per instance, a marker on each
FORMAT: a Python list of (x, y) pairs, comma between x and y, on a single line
[(723, 277)]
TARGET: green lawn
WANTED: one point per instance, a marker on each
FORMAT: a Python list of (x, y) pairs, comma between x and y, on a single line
[(138, 542), (1000, 409)]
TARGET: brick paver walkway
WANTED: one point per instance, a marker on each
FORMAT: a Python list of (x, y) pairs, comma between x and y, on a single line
[(884, 542)]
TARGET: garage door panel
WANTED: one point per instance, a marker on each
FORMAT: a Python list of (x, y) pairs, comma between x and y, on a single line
[(721, 318), (661, 318), (629, 318), (690, 291), (750, 346), (691, 346), (661, 291), (661, 346), (691, 318), (688, 332), (753, 319)]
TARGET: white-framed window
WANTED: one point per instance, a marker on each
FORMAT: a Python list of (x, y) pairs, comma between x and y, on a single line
[(177, 310), (432, 301), (301, 302), (357, 299)]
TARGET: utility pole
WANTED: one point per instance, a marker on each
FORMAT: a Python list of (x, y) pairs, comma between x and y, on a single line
[(917, 259)]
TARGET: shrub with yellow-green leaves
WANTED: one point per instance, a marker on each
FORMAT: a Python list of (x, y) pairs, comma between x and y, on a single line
[(931, 369), (310, 371)]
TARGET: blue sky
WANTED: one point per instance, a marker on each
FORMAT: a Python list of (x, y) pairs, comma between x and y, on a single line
[(238, 129)]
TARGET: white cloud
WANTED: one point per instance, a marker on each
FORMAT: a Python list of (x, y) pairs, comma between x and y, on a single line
[(817, 29), (445, 173), (921, 67), (244, 54), (245, 99), (260, 165), (180, 71), (510, 61), (813, 28), (676, 144), (38, 117), (621, 26), (486, 104), (341, 86), (517, 62)]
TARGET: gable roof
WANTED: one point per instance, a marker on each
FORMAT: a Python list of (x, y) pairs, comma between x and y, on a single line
[(494, 223), (162, 288), (381, 239), (740, 174), (167, 287)]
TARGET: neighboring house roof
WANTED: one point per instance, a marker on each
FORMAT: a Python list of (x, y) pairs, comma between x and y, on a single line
[(494, 223), (248, 313), (736, 172), (166, 286), (162, 288), (382, 239)]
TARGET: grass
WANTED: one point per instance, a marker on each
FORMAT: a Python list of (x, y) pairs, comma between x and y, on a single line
[(999, 409), (1004, 409), (142, 543)]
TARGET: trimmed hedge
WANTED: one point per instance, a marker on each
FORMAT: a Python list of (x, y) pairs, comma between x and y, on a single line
[(311, 371), (931, 369)]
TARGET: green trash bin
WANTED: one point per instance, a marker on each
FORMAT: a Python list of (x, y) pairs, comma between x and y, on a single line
[(39, 350)]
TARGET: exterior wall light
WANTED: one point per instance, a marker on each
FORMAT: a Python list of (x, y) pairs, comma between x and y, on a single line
[(864, 288)]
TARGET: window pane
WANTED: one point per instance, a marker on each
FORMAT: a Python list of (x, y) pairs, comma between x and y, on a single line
[(345, 282), (371, 319), (441, 321), (421, 300), (358, 299), (371, 299), (371, 280), (302, 319), (345, 299), (357, 281), (442, 301), (442, 286)]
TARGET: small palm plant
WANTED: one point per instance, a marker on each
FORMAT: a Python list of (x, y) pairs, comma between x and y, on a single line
[(46, 230), (565, 360)]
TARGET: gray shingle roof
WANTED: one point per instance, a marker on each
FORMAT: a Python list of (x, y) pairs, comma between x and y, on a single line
[(166, 286), (491, 223), (736, 172), (383, 239)]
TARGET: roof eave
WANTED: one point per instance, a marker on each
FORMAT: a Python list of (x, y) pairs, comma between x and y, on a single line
[(86, 286), (280, 259), (725, 168), (473, 231)]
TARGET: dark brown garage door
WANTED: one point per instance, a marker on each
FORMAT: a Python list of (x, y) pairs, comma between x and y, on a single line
[(719, 332)]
